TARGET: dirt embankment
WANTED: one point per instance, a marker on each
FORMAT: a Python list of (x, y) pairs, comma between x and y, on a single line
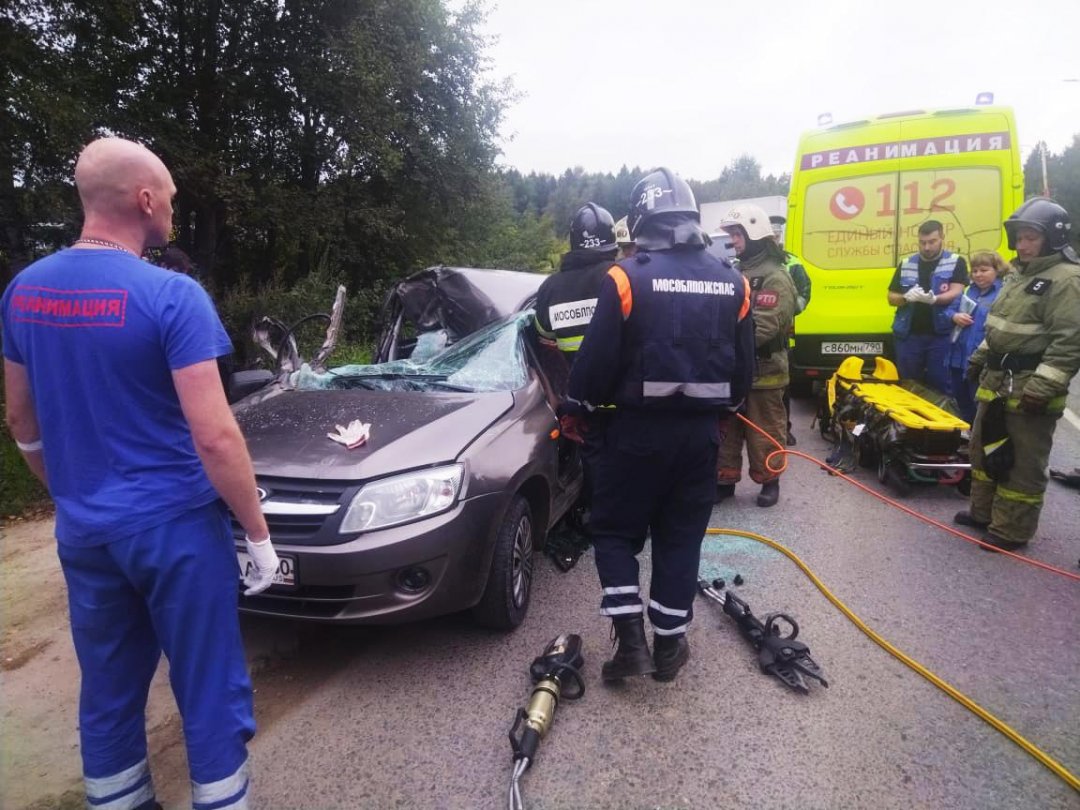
[(39, 682), (40, 767)]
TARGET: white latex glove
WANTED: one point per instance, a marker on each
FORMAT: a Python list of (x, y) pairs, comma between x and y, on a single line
[(353, 435), (266, 565), (914, 294), (926, 298)]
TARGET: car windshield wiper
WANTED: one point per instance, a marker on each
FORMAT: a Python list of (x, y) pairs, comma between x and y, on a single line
[(393, 375), (418, 377)]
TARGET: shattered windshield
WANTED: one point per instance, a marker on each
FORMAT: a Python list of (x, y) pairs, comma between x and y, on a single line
[(490, 359)]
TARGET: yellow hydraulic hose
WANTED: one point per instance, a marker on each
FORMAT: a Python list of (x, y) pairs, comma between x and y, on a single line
[(1056, 767)]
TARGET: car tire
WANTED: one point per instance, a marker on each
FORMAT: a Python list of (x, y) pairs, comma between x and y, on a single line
[(509, 586)]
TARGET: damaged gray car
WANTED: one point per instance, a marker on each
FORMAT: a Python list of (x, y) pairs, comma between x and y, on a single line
[(416, 486)]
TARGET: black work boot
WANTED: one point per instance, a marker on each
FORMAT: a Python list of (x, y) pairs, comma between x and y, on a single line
[(670, 653), (770, 493), (994, 543), (791, 439), (632, 654), (965, 519), (724, 491)]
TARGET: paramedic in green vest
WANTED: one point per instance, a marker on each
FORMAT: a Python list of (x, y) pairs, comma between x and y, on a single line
[(921, 290), (773, 301), (1029, 355), (801, 279)]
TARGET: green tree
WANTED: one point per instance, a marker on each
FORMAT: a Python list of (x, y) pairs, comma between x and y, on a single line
[(1063, 176), (292, 127), (741, 178)]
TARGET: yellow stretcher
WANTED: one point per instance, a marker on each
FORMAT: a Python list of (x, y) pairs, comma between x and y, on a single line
[(901, 427)]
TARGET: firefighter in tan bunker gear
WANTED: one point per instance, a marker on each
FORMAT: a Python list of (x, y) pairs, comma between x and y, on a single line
[(773, 294), (1029, 355)]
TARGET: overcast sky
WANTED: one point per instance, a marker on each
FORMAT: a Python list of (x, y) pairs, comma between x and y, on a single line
[(693, 84)]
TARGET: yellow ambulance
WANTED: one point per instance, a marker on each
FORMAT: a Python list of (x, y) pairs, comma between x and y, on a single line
[(859, 192)]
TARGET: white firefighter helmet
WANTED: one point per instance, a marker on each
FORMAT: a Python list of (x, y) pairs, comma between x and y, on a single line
[(751, 218), (622, 233)]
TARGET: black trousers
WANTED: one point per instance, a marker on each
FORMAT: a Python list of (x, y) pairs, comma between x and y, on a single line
[(655, 470)]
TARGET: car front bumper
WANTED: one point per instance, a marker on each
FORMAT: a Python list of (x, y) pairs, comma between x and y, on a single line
[(359, 581)]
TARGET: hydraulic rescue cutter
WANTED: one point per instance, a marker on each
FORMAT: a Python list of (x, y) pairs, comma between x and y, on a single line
[(778, 655), (556, 674)]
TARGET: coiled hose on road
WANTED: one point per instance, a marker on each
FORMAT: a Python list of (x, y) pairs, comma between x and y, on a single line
[(1045, 759)]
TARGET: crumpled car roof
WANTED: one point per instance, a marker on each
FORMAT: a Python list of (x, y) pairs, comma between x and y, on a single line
[(460, 299)]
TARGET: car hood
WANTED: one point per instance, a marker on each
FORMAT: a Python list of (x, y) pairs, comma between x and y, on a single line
[(286, 433)]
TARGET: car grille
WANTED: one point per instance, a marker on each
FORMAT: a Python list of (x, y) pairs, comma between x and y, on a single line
[(295, 511), (296, 605)]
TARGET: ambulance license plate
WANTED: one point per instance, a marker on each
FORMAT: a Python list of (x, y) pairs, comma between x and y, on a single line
[(286, 572), (852, 347)]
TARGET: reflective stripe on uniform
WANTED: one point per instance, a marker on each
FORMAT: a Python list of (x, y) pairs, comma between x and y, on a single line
[(745, 308), (1012, 404), (569, 344), (622, 609), (980, 475), (229, 793), (654, 605), (540, 329), (1053, 374), (775, 380), (618, 589), (622, 284), (997, 322), (126, 790), (720, 390), (1019, 497), (674, 631)]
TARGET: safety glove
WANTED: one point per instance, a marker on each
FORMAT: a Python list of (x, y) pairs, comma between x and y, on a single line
[(574, 427), (914, 294), (1036, 406), (973, 373), (923, 297), (265, 565)]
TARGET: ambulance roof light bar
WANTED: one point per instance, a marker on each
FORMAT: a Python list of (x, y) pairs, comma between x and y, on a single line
[(984, 98), (824, 119)]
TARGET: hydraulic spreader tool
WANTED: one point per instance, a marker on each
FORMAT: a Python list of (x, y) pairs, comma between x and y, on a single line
[(556, 674), (778, 655)]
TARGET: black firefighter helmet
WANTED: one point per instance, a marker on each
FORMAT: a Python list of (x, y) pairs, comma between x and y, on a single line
[(660, 192), (1045, 216), (592, 228)]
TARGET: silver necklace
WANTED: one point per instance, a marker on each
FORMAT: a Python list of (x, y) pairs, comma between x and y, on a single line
[(105, 243)]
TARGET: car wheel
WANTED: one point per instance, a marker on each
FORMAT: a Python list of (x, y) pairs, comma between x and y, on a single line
[(509, 586)]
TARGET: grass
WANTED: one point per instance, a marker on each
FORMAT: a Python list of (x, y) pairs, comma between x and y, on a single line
[(20, 491)]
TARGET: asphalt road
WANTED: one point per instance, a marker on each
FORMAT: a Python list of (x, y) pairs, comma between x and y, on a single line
[(417, 716)]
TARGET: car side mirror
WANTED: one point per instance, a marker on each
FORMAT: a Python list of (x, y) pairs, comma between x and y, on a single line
[(242, 383)]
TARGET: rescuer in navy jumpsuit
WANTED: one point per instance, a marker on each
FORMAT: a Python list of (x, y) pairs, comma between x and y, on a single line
[(671, 345)]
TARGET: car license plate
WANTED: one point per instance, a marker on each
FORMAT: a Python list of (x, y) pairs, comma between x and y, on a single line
[(852, 347), (286, 572)]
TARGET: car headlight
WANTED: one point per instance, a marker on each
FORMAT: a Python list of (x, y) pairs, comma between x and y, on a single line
[(402, 498)]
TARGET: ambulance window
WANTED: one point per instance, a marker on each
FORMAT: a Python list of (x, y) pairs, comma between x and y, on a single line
[(850, 224), (967, 202)]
